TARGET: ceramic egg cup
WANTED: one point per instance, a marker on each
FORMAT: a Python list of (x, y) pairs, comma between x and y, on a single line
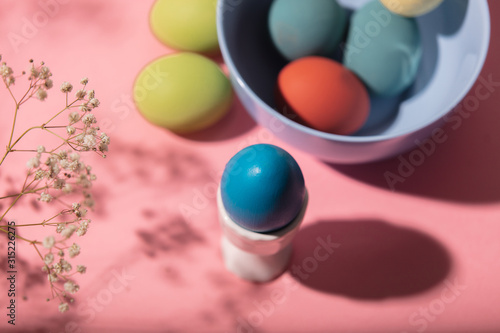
[(255, 256)]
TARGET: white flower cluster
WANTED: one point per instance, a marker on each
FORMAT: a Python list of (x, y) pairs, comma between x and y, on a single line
[(7, 73), (82, 131), (59, 171), (39, 77), (62, 172), (62, 270)]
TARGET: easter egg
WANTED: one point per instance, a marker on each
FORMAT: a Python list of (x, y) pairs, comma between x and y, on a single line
[(186, 25), (301, 28), (322, 94), (411, 8), (184, 92), (262, 188), (383, 49)]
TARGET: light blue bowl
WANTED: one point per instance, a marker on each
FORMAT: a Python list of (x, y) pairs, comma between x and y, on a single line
[(455, 41)]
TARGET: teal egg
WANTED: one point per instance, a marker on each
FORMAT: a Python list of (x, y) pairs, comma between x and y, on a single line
[(383, 49), (262, 188), (302, 28)]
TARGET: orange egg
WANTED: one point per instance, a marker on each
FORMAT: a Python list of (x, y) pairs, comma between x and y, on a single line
[(321, 93)]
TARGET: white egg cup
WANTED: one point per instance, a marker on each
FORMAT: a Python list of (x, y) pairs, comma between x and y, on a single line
[(256, 256)]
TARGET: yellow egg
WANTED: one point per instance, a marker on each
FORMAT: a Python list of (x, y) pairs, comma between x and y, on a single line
[(186, 25), (184, 92), (411, 8)]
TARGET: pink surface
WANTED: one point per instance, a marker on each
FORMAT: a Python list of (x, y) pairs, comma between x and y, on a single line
[(424, 257)]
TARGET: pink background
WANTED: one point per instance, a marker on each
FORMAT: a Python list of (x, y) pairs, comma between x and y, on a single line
[(400, 251)]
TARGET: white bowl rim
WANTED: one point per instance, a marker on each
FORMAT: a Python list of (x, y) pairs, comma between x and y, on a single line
[(486, 26)]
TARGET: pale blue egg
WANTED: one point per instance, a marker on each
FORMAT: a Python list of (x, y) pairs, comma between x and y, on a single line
[(302, 28), (383, 49), (262, 188)]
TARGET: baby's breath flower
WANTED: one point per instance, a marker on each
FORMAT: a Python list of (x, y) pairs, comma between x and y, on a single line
[(85, 108), (10, 81), (51, 160), (79, 137), (48, 259), (94, 102), (81, 93), (73, 117), (67, 188), (45, 197), (65, 265), (63, 307), (65, 164), (91, 93), (61, 155), (40, 149), (74, 250), (84, 81), (66, 87), (60, 227), (33, 162), (105, 138), (91, 131), (76, 166), (68, 231), (41, 94), (89, 119), (74, 156), (59, 183), (39, 174), (49, 242), (103, 147), (44, 73), (70, 130), (83, 181), (60, 253), (5, 70), (81, 269), (71, 287), (57, 268), (34, 73), (89, 141), (80, 212), (48, 83), (54, 170), (82, 230), (52, 277)]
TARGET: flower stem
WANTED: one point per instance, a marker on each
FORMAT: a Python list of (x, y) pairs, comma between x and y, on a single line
[(16, 199), (25, 192), (2, 228)]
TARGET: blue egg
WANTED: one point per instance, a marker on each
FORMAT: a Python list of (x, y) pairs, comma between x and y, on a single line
[(262, 188), (302, 28), (383, 49)]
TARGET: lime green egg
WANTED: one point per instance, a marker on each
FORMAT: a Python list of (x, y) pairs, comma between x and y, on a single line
[(186, 25), (184, 92)]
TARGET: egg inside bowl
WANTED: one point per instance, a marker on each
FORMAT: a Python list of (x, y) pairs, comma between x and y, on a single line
[(455, 39)]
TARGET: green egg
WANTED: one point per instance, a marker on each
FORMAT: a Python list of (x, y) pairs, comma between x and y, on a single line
[(186, 25), (184, 92)]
